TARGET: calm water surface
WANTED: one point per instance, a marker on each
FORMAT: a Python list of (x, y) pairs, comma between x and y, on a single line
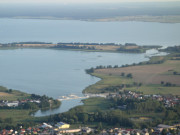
[(55, 72), (143, 33)]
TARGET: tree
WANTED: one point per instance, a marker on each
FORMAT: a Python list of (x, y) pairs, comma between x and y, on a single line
[(122, 74), (31, 106), (75, 118), (71, 121), (91, 70), (91, 119), (175, 73), (162, 82), (135, 83), (164, 132), (109, 66), (10, 91), (116, 66), (100, 127), (129, 75), (85, 118), (168, 84), (1, 120)]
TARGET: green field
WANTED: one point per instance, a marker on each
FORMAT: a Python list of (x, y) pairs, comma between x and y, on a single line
[(95, 104), (150, 75), (10, 116), (15, 114), (106, 81), (12, 95), (156, 89)]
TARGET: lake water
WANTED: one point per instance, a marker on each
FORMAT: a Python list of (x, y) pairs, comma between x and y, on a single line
[(55, 72), (58, 72), (143, 33)]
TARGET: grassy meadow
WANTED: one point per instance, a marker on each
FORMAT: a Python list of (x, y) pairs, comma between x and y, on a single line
[(12, 95)]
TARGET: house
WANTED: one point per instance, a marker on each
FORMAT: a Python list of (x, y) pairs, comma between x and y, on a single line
[(45, 125), (125, 133), (62, 125), (70, 131), (123, 107), (86, 129), (164, 126), (12, 104)]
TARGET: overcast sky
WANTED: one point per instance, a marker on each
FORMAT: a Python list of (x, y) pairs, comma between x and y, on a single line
[(79, 1)]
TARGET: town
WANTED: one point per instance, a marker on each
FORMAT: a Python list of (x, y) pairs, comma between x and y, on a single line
[(61, 128), (58, 128)]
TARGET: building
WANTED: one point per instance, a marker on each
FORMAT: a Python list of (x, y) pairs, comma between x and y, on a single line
[(12, 104), (62, 125)]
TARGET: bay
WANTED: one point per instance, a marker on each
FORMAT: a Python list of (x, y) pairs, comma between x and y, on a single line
[(56, 72), (142, 33)]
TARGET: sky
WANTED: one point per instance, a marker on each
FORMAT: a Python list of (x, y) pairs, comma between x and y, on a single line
[(80, 1)]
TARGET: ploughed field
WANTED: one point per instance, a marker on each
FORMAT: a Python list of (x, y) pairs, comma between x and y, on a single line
[(3, 94)]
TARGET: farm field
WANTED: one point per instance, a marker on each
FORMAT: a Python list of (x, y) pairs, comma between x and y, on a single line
[(153, 77), (94, 104), (15, 114), (149, 74)]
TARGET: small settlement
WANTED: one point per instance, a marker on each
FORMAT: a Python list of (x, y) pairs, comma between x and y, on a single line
[(6, 103), (61, 128)]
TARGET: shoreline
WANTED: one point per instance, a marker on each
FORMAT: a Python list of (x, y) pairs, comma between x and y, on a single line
[(83, 91), (140, 18), (87, 47), (105, 73), (96, 100), (68, 50)]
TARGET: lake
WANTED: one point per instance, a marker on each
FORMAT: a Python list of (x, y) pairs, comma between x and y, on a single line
[(55, 72), (143, 33), (58, 72)]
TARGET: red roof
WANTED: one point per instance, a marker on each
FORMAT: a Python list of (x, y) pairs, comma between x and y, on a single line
[(23, 130), (129, 129)]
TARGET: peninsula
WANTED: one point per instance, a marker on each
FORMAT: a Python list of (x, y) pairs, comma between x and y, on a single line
[(77, 46)]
